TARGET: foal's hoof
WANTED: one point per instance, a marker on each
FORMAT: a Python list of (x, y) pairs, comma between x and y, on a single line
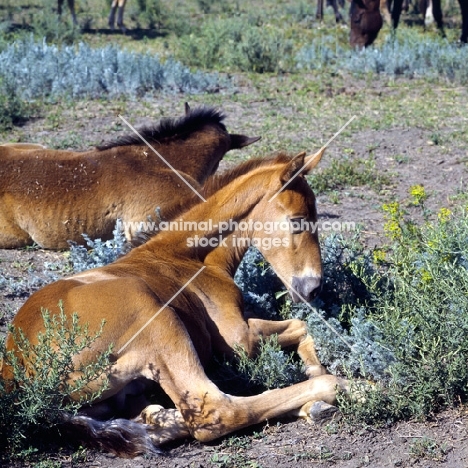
[(150, 414), (321, 412), (315, 371)]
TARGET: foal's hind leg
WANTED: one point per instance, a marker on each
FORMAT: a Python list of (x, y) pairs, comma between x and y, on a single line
[(218, 414), (11, 235)]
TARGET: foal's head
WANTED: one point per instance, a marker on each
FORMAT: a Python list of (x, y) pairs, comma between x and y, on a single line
[(288, 238)]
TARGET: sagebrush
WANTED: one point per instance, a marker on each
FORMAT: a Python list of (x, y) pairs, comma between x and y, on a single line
[(42, 70), (37, 399)]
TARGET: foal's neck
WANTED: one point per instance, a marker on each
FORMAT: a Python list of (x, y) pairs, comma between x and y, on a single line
[(208, 231)]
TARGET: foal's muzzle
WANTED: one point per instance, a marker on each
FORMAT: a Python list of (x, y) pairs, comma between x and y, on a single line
[(305, 288)]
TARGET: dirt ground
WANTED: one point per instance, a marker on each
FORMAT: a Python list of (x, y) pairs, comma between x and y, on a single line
[(441, 441)]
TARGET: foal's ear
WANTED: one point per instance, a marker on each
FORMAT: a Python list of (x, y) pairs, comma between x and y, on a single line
[(301, 164), (312, 160), (293, 167), (240, 141)]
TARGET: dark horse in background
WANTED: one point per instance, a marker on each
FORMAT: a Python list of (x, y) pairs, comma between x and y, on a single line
[(366, 22), (117, 6), (366, 19), (436, 11)]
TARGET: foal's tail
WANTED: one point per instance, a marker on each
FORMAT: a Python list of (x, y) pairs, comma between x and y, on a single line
[(122, 437)]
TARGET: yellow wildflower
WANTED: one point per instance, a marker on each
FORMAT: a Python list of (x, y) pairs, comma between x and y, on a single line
[(418, 193), (393, 229), (444, 215), (391, 208), (379, 255), (426, 277)]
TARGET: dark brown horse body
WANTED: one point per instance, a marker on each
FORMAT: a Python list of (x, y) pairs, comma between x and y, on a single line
[(51, 197), (366, 22), (169, 345)]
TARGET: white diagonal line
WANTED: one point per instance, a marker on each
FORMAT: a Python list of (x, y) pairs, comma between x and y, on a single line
[(305, 165), (314, 311), (165, 161), (161, 309)]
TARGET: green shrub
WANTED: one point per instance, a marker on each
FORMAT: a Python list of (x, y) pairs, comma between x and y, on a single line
[(236, 44), (263, 50), (270, 368), (151, 14), (38, 398), (13, 109), (42, 70), (46, 24), (420, 302)]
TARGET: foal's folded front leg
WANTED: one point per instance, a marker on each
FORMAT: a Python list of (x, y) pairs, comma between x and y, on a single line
[(291, 332)]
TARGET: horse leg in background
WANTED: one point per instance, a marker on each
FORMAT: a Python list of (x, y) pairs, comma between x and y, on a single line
[(438, 17), (385, 8), (71, 6), (319, 12), (117, 6), (396, 12), (464, 12), (425, 9), (334, 4)]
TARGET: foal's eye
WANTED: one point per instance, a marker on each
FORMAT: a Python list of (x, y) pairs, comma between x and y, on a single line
[(297, 225)]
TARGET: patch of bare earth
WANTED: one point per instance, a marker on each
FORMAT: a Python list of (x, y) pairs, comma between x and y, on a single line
[(408, 157)]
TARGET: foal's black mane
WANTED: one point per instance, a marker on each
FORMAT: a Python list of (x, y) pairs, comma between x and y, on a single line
[(170, 127), (212, 185)]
